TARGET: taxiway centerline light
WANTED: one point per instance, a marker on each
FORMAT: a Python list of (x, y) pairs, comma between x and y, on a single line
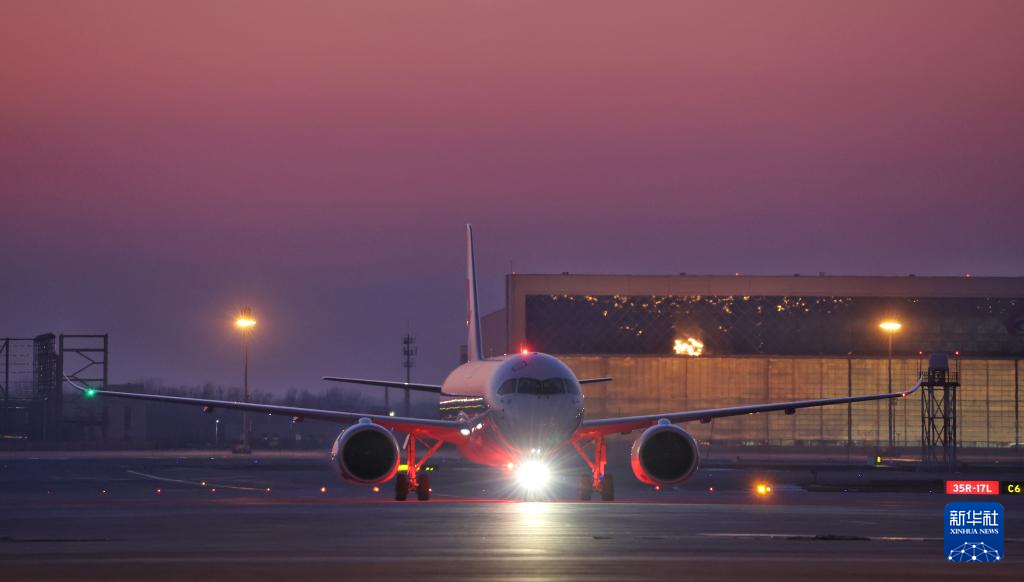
[(533, 475)]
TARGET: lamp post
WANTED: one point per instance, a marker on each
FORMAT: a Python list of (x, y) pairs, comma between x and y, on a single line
[(890, 327), (245, 323)]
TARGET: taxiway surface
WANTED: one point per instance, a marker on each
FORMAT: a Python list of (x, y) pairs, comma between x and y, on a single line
[(175, 516)]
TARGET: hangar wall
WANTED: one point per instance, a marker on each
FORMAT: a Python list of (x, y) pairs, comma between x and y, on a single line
[(778, 338), (989, 398)]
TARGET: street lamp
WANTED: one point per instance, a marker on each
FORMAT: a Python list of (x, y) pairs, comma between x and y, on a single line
[(245, 323), (890, 327)]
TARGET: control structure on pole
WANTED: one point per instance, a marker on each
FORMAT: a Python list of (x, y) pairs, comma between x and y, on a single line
[(245, 322), (409, 352)]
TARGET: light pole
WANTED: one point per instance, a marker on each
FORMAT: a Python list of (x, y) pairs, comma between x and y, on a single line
[(890, 327), (245, 323), (216, 433)]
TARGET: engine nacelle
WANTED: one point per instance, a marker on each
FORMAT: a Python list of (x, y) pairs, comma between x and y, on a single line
[(664, 455), (365, 453)]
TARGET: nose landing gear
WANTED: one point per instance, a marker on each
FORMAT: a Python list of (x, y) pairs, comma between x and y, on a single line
[(597, 479)]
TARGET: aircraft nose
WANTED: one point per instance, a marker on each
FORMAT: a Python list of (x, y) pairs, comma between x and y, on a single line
[(538, 421)]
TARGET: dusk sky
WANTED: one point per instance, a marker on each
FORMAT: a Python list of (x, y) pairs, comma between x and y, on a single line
[(163, 163)]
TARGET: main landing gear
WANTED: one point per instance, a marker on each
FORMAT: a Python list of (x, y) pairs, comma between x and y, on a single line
[(597, 479), (412, 479)]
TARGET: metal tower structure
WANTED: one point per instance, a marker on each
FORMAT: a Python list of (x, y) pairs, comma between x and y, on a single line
[(83, 359), (409, 352), (938, 412)]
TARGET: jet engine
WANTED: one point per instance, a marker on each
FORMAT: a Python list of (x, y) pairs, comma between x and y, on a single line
[(365, 453), (664, 455)]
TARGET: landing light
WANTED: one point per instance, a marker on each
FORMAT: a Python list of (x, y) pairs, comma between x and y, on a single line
[(763, 489), (533, 475)]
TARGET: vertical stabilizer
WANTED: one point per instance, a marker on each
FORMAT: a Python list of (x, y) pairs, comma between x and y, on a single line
[(474, 345)]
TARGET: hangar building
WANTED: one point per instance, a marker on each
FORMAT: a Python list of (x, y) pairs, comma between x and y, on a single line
[(690, 342)]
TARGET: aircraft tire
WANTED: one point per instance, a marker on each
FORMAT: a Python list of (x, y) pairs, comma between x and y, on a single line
[(401, 487), (586, 487), (423, 488), (608, 488)]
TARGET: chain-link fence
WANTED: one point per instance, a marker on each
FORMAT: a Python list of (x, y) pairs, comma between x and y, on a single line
[(988, 398)]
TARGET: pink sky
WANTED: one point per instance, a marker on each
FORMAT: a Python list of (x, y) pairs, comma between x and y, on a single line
[(162, 162)]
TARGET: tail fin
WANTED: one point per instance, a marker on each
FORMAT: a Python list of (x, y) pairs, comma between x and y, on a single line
[(474, 345)]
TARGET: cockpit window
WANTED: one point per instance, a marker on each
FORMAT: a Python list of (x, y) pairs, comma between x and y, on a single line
[(529, 386), (552, 386), (543, 387), (508, 387), (572, 387)]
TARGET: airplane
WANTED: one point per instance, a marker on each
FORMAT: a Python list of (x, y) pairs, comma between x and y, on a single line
[(515, 411)]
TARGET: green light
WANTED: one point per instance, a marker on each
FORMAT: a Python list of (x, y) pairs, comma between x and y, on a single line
[(90, 392)]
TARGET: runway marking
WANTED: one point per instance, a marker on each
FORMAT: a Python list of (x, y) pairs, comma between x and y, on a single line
[(12, 540), (196, 483), (819, 537), (441, 558), (830, 537)]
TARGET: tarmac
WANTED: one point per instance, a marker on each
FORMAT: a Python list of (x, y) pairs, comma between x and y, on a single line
[(201, 515)]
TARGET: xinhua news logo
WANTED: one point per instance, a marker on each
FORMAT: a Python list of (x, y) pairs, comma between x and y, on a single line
[(974, 532)]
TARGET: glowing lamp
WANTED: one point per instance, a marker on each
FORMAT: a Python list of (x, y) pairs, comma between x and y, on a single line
[(763, 489), (245, 319), (890, 326), (90, 392), (533, 475)]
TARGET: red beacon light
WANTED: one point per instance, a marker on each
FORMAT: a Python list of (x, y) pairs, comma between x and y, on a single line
[(524, 350)]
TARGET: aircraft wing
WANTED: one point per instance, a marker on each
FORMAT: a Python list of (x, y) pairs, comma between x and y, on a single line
[(627, 424), (387, 383), (446, 430)]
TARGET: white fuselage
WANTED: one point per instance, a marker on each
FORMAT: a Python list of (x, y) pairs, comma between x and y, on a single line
[(531, 404)]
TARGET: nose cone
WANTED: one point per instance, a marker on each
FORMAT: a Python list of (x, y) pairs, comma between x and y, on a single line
[(539, 422)]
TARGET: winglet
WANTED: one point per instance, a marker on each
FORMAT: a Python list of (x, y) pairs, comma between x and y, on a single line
[(916, 387), (474, 343)]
